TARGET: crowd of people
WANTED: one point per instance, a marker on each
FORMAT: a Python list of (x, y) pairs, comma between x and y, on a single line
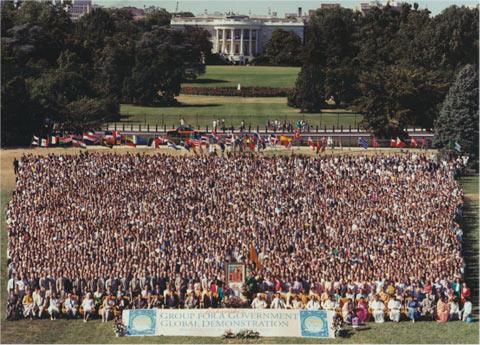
[(367, 236)]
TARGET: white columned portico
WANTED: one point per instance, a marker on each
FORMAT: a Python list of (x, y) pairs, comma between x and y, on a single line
[(256, 42), (224, 37), (250, 42), (217, 43), (241, 42), (232, 36)]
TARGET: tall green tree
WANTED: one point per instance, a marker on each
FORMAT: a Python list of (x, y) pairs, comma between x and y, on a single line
[(309, 91), (396, 96), (329, 53), (458, 119), (284, 48)]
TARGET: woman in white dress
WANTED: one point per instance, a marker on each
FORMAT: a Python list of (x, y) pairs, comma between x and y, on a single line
[(54, 307), (88, 307)]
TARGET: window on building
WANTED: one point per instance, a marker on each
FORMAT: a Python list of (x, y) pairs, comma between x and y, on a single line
[(237, 34)]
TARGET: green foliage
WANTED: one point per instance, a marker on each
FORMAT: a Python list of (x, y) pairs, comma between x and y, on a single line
[(283, 49), (309, 91), (395, 66), (75, 74), (328, 60), (458, 119), (396, 96)]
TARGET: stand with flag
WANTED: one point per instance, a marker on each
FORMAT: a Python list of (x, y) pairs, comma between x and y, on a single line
[(35, 141), (363, 142)]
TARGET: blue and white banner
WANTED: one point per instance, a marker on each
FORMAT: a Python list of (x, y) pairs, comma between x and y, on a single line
[(214, 322)]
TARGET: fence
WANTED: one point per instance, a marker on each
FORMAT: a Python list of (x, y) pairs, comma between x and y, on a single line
[(327, 118), (163, 128)]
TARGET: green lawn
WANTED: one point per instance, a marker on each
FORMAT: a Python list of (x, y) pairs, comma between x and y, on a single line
[(202, 110), (67, 331), (247, 76)]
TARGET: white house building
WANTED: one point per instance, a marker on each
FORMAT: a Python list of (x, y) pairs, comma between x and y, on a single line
[(239, 38)]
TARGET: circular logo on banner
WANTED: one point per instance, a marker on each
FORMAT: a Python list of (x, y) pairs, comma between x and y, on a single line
[(142, 323), (313, 324)]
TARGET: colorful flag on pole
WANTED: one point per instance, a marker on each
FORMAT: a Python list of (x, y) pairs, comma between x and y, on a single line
[(35, 141), (79, 143), (375, 142), (44, 142), (393, 143), (363, 143), (413, 143), (399, 143), (458, 148), (311, 144)]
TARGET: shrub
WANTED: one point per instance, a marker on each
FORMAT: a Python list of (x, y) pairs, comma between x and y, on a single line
[(248, 91)]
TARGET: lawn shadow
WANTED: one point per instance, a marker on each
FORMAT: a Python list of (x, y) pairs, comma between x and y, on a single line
[(206, 81), (184, 105)]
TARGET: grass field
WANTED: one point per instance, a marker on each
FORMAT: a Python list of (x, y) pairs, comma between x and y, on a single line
[(247, 76), (65, 331), (202, 110)]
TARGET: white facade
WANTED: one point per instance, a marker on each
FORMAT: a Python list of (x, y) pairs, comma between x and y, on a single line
[(240, 38)]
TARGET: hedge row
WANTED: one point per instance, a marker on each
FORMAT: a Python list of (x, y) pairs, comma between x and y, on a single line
[(232, 91)]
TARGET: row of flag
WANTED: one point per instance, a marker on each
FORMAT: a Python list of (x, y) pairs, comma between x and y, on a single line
[(253, 140)]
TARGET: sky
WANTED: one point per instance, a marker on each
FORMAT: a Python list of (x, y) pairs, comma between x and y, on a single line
[(262, 7)]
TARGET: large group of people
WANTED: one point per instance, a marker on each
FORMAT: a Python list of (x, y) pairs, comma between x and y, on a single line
[(371, 237)]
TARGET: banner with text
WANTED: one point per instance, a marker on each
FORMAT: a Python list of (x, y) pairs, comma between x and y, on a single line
[(214, 322)]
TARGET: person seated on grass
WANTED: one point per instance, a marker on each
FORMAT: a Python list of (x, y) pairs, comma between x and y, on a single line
[(413, 306), (41, 303), (378, 309), (455, 313), (428, 307), (14, 306), (108, 306), (394, 307), (347, 310), (467, 310), (53, 306), (70, 306), (362, 310), (88, 307), (443, 310), (97, 298), (28, 305)]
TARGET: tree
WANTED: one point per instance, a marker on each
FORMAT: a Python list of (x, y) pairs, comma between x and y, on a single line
[(309, 91), (154, 18), (20, 118), (396, 96), (284, 48), (458, 119), (87, 113), (454, 38), (330, 53), (163, 59)]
